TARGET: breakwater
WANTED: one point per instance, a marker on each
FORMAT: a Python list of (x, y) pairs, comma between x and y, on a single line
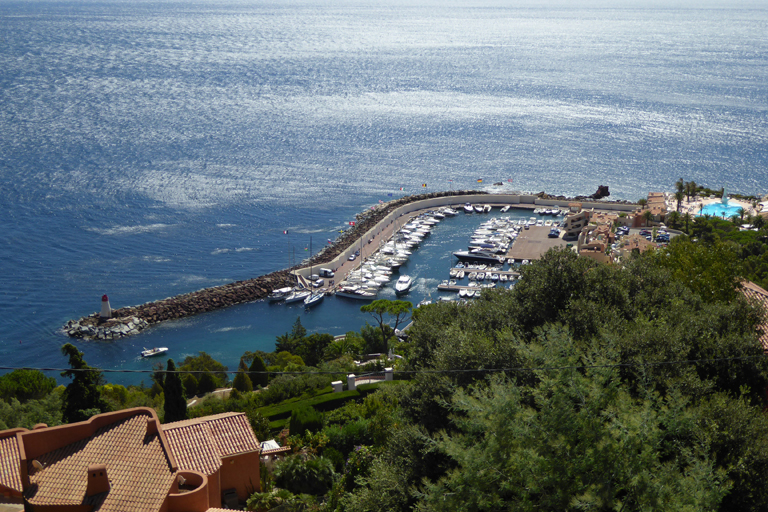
[(131, 320)]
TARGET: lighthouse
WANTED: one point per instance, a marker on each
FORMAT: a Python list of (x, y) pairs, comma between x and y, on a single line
[(106, 311)]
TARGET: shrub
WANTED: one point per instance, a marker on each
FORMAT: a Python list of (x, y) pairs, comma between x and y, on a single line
[(312, 476), (190, 385), (304, 419)]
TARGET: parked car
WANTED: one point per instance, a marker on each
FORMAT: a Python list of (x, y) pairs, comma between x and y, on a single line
[(352, 257)]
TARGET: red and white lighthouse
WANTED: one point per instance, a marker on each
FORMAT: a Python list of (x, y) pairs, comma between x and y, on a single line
[(106, 310)]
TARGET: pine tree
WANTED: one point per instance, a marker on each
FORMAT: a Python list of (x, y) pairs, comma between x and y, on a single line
[(81, 398), (242, 382), (175, 407), (257, 378)]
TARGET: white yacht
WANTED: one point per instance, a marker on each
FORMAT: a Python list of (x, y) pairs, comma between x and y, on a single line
[(403, 285), (297, 295), (280, 294), (468, 208)]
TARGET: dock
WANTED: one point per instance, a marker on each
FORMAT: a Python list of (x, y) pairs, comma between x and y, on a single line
[(532, 243)]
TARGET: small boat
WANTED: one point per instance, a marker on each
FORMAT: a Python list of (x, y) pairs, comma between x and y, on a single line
[(279, 294), (297, 296), (478, 208), (468, 208), (313, 299), (487, 208), (403, 285), (352, 291), (505, 209), (463, 293), (150, 352), (450, 211)]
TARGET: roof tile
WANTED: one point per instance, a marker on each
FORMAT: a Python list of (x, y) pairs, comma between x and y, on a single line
[(9, 463), (200, 443), (138, 468)]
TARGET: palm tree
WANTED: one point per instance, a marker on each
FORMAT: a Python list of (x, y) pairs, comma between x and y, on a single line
[(642, 201), (758, 222), (679, 196), (673, 219), (680, 185), (742, 212), (647, 217), (690, 190), (687, 219)]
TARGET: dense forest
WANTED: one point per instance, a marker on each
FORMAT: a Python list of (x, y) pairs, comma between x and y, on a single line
[(639, 386)]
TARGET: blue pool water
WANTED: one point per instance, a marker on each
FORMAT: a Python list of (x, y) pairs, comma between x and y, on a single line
[(720, 210)]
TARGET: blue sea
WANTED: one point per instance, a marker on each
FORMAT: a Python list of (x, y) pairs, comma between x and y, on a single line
[(153, 148)]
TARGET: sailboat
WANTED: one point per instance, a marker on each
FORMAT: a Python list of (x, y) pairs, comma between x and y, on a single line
[(314, 298)]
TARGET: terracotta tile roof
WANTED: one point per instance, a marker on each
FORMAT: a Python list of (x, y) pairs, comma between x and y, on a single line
[(194, 448), (9, 462), (138, 469), (201, 443), (760, 296)]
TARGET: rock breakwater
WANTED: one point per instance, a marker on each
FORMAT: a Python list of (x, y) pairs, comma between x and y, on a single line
[(132, 320)]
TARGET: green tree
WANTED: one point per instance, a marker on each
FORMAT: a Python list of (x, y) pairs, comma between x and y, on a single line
[(81, 398), (673, 220), (647, 217), (382, 310), (304, 419), (312, 476), (290, 340), (207, 383), (175, 406), (190, 385), (242, 382), (679, 197), (690, 190), (205, 363), (24, 384), (258, 372)]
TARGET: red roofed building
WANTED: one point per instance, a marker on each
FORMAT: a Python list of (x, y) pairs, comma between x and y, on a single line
[(759, 296), (223, 447), (123, 462), (10, 478)]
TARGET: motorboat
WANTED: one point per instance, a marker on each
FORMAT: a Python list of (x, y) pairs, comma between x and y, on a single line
[(478, 255), (280, 294), (313, 299), (505, 209), (487, 208), (356, 292), (403, 285), (151, 352), (478, 208), (468, 208)]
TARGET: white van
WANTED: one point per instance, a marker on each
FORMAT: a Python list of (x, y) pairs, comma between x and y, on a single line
[(326, 272)]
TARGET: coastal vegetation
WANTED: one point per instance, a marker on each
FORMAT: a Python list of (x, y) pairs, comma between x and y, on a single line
[(586, 386)]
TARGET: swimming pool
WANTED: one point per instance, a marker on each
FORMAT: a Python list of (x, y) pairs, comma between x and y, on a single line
[(720, 209)]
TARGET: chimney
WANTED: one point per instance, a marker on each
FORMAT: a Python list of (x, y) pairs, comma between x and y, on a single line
[(97, 479), (106, 311)]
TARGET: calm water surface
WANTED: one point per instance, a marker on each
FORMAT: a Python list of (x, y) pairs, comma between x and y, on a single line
[(151, 149)]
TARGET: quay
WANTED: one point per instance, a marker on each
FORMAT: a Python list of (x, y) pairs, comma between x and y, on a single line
[(372, 227)]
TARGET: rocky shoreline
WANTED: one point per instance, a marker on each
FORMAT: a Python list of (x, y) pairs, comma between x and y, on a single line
[(131, 320)]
